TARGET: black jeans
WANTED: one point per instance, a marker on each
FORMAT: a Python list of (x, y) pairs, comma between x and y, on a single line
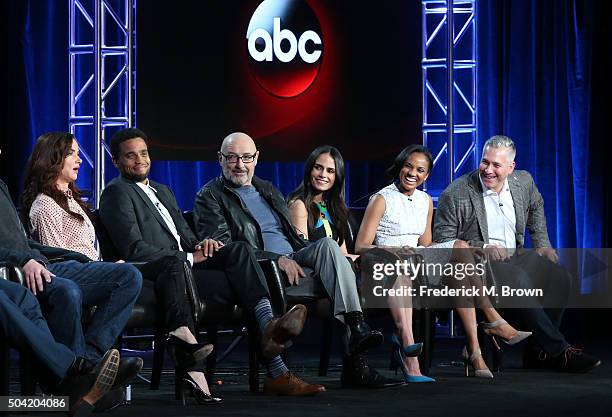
[(168, 274), (243, 283)]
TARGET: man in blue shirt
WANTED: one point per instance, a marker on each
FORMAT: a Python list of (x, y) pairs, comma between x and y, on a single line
[(241, 207)]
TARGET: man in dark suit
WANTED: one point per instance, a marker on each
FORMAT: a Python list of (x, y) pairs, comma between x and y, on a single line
[(490, 208), (145, 223)]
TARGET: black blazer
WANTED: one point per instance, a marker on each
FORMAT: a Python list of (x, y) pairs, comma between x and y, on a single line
[(135, 226), (220, 214)]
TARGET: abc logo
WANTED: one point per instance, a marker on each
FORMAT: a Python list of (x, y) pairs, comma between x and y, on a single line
[(295, 46), (284, 46)]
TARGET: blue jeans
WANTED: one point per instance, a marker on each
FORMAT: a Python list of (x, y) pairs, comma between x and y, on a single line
[(23, 325), (112, 288)]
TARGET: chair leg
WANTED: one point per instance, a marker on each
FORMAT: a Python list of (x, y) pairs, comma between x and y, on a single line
[(119, 342), (178, 385), (158, 359), (326, 344), (211, 360), (498, 360), (253, 363), (493, 357), (426, 331), (26, 373), (4, 369)]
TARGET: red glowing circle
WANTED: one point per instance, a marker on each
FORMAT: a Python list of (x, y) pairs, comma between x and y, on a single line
[(284, 47)]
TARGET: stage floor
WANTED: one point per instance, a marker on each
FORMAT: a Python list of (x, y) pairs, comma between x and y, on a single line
[(513, 392)]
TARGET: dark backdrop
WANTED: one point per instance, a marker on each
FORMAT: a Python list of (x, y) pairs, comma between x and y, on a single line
[(543, 79), (365, 99)]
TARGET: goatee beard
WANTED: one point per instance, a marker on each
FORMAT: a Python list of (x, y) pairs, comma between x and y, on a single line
[(134, 177)]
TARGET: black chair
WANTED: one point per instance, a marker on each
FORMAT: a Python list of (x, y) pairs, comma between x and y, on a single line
[(282, 302), (278, 301), (211, 318), (146, 314)]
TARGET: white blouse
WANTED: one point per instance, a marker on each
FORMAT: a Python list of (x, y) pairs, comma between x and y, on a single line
[(405, 217)]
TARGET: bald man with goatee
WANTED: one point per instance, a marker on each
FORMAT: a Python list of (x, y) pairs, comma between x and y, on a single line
[(240, 207)]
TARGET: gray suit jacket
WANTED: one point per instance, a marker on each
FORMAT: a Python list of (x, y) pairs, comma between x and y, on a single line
[(461, 212)]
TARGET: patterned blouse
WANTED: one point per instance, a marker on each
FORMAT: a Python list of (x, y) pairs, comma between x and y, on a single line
[(51, 225), (324, 227)]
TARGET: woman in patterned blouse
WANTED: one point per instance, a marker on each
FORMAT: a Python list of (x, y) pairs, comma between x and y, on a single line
[(52, 204), (58, 216)]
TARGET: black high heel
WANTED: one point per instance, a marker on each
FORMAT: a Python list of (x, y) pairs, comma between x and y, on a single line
[(187, 355), (189, 386)]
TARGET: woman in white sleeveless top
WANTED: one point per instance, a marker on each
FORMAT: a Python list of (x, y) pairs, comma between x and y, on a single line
[(400, 216)]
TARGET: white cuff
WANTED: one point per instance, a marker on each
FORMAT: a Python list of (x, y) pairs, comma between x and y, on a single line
[(190, 258)]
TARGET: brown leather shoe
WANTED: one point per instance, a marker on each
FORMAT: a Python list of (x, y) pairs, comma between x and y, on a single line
[(289, 384), (277, 335)]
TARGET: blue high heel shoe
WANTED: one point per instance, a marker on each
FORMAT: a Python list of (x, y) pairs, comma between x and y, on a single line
[(410, 350), (398, 362)]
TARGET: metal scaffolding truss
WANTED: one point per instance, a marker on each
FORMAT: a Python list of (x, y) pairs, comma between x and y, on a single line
[(449, 97), (102, 80)]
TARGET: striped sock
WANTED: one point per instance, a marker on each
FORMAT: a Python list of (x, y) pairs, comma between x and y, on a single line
[(263, 313), (276, 367)]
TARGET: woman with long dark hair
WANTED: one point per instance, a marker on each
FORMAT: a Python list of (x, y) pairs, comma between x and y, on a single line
[(58, 216), (317, 206), (399, 218), (50, 185)]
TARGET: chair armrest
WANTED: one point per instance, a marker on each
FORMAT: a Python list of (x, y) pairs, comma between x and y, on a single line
[(11, 272), (276, 287)]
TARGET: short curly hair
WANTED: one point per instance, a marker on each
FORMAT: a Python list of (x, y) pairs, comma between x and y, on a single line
[(123, 135)]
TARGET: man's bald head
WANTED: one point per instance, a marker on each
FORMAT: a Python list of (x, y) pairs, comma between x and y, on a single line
[(235, 149), (238, 139)]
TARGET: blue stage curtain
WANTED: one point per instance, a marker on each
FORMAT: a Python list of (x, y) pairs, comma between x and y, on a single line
[(36, 79), (185, 178), (542, 67), (536, 86)]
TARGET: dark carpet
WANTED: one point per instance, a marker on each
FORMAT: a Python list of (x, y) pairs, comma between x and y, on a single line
[(513, 392)]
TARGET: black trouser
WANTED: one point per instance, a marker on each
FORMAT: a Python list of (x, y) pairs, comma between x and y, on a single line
[(243, 283), (168, 274), (529, 270)]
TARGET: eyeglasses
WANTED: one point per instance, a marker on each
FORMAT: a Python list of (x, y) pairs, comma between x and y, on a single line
[(233, 158)]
